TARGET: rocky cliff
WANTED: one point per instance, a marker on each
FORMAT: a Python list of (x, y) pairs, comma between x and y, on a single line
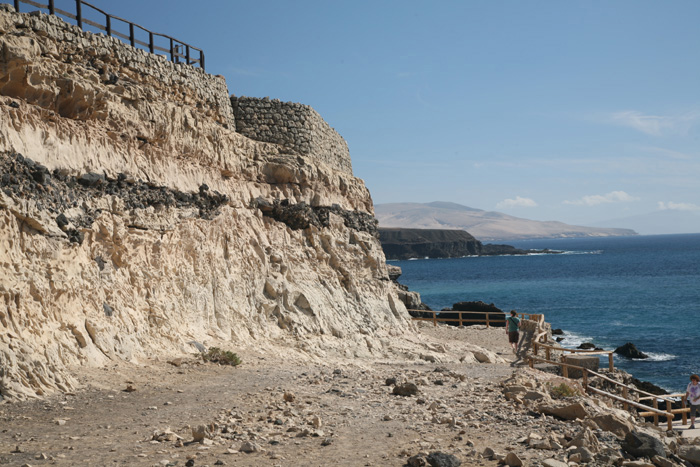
[(399, 244), (135, 220)]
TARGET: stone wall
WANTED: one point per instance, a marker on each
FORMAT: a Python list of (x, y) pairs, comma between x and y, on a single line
[(110, 58), (296, 127)]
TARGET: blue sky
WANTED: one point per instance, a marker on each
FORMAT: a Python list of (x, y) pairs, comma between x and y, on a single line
[(582, 112)]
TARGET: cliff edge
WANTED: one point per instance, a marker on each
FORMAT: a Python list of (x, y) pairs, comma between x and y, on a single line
[(137, 222)]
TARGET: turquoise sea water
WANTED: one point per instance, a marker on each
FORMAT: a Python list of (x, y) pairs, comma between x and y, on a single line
[(609, 291)]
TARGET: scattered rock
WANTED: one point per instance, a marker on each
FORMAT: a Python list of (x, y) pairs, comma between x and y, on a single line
[(512, 460), (629, 350), (405, 389), (690, 454), (640, 444), (440, 459)]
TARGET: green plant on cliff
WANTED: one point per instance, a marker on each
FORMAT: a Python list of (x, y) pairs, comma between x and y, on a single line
[(222, 357), (563, 390)]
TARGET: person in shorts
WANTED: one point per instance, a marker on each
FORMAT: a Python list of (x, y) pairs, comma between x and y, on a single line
[(512, 326), (692, 395)]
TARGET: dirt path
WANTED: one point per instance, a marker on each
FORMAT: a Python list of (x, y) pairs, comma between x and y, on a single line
[(340, 413)]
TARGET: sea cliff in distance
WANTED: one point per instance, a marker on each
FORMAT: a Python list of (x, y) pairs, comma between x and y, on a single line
[(401, 244), (484, 225)]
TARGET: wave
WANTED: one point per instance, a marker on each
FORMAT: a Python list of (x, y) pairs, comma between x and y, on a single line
[(658, 357), (579, 252), (573, 340)]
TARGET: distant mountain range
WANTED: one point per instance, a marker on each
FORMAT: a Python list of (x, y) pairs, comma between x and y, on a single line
[(484, 225)]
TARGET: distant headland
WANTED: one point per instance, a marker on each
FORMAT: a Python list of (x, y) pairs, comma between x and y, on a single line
[(484, 225)]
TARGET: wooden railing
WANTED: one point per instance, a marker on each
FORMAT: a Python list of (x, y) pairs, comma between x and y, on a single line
[(548, 352), (499, 319), (178, 51), (654, 411)]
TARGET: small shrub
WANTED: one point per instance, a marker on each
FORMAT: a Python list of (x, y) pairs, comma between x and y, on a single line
[(222, 357), (562, 391)]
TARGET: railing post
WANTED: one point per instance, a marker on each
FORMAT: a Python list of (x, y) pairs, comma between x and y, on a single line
[(150, 41), (655, 403), (535, 347), (79, 13), (548, 353), (17, 6), (565, 370), (625, 394), (108, 24), (460, 319), (52, 9), (669, 415), (434, 319), (487, 320), (585, 380), (172, 50), (201, 60), (611, 365), (187, 53), (132, 38), (685, 415), (532, 362)]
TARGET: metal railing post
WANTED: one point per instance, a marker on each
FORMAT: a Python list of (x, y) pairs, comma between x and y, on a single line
[(201, 59), (150, 41), (52, 9), (79, 13), (187, 53), (172, 50), (17, 6), (108, 25), (132, 38)]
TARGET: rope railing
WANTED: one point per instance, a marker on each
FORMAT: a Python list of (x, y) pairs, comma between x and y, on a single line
[(177, 50)]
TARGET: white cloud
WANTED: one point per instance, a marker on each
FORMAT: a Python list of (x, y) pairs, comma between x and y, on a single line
[(654, 125), (517, 202), (612, 197), (678, 206)]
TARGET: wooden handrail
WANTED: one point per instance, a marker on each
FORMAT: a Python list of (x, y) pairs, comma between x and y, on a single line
[(548, 348), (462, 320), (626, 401), (175, 56)]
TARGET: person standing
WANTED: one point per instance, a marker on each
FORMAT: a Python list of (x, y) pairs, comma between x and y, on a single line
[(512, 326), (692, 395)]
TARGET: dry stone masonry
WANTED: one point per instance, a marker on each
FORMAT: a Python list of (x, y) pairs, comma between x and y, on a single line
[(296, 127)]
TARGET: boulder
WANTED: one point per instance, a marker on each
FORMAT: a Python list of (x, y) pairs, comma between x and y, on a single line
[(614, 424), (629, 350), (554, 463), (440, 459), (566, 412), (585, 439), (512, 460), (690, 454), (640, 444), (405, 389)]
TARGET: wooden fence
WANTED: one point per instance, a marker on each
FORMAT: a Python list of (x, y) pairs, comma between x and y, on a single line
[(548, 352), (499, 317), (626, 390), (178, 51)]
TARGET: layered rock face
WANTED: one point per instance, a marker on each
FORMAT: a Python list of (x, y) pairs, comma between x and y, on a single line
[(135, 220)]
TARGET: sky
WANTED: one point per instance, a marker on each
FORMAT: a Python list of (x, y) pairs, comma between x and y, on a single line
[(583, 112)]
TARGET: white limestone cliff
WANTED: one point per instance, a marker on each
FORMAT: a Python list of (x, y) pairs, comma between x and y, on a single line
[(146, 281)]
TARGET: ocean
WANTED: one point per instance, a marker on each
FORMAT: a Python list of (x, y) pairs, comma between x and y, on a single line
[(608, 291)]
